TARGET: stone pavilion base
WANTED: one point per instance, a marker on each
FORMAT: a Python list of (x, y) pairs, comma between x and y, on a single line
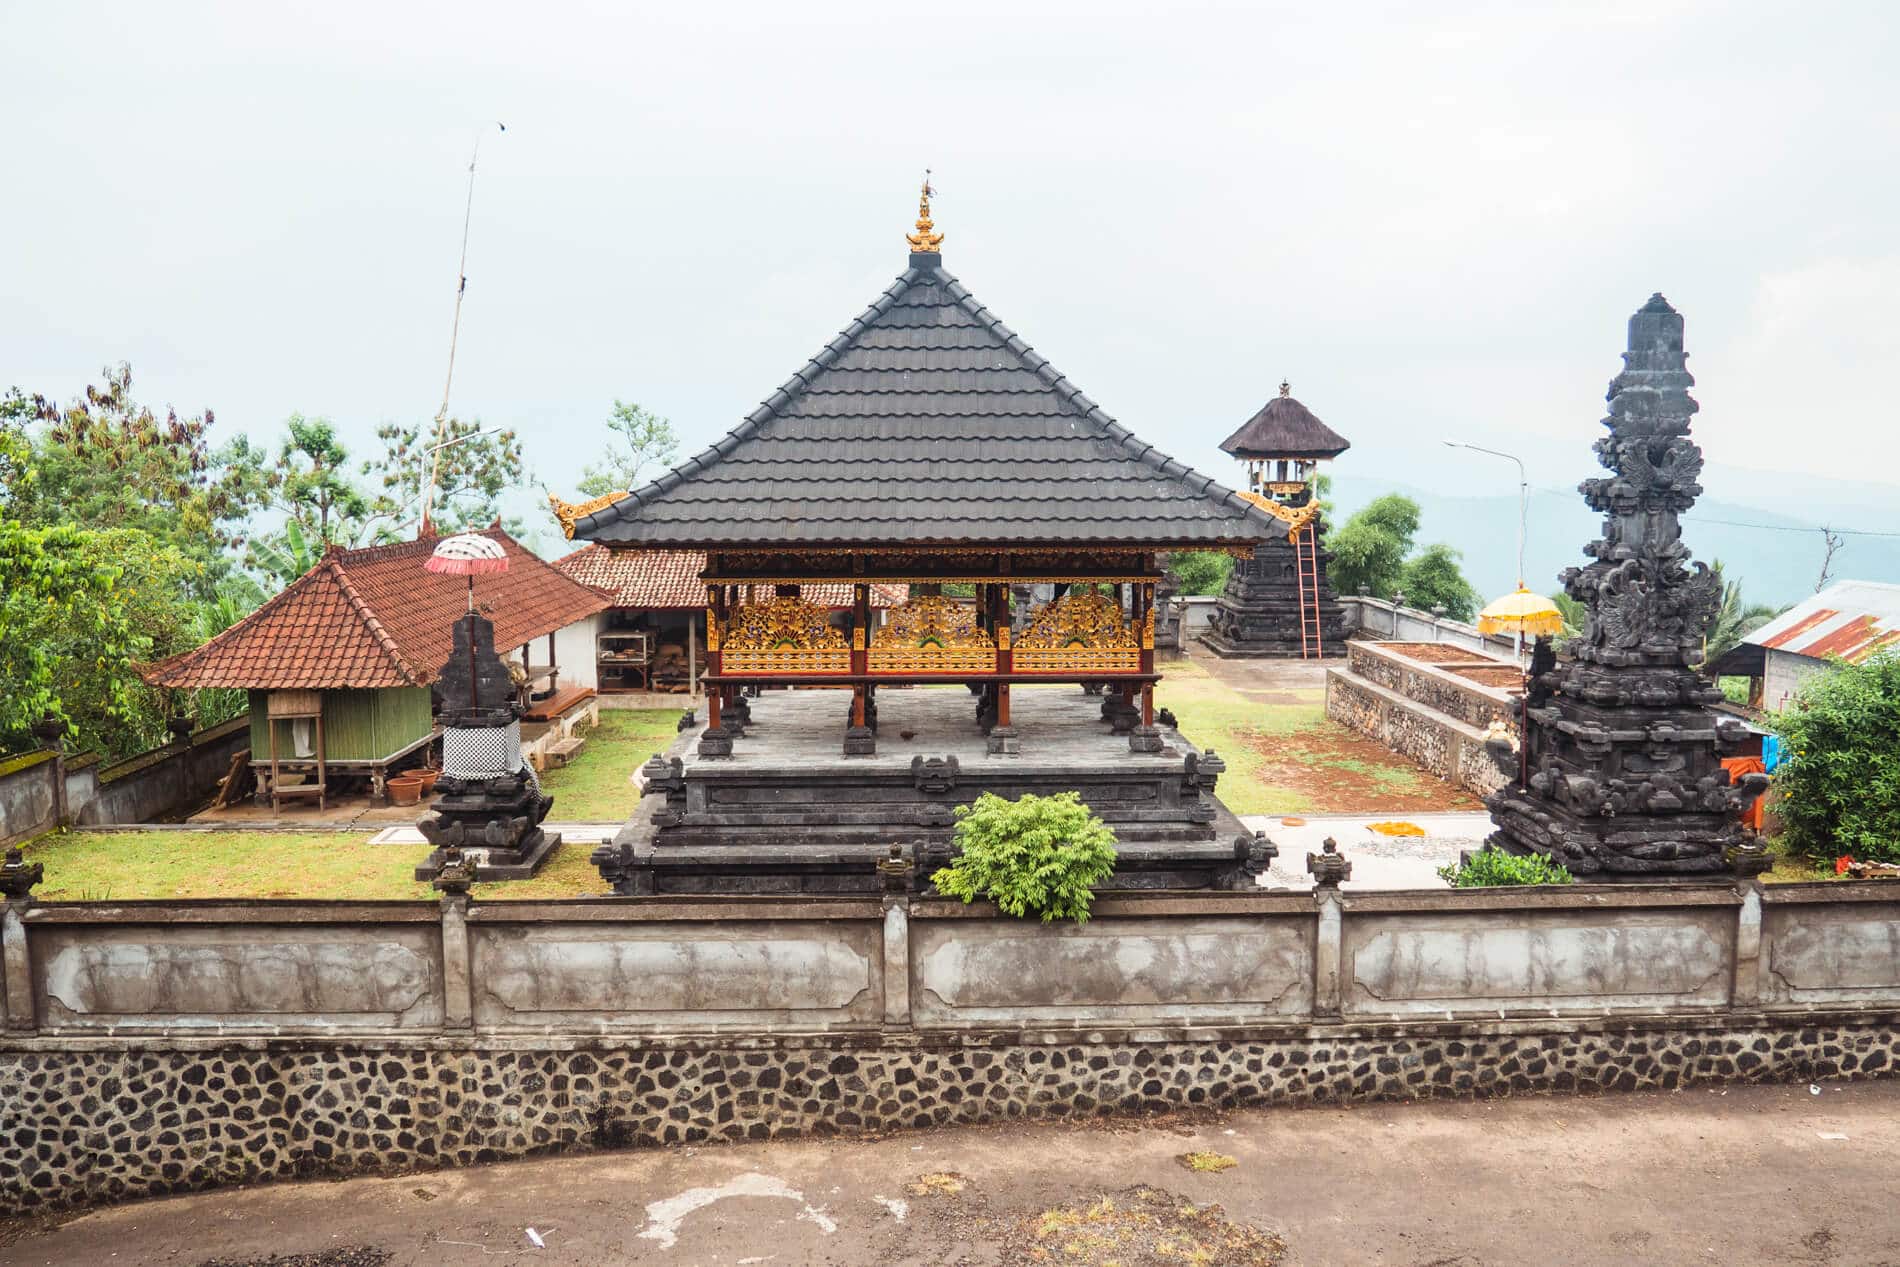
[(788, 813)]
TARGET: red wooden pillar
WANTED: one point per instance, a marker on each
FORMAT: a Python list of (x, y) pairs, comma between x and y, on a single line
[(860, 631)]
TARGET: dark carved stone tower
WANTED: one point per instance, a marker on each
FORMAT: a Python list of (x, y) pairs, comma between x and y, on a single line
[(1279, 603), (1621, 746)]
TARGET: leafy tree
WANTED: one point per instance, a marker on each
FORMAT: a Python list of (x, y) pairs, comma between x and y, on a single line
[(284, 555), (1839, 779), (1431, 579), (56, 594), (637, 440), (1040, 855), (1200, 571), (473, 472), (1369, 549), (105, 461), (313, 484)]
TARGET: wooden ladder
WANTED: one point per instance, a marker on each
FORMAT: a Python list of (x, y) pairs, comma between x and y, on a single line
[(1306, 579)]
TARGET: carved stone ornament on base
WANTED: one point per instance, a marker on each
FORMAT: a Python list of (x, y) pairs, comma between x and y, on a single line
[(489, 804), (1622, 747)]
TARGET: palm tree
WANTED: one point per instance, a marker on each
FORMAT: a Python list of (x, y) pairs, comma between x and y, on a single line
[(1734, 619)]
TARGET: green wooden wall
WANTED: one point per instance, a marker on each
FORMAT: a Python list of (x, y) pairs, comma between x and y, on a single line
[(358, 725)]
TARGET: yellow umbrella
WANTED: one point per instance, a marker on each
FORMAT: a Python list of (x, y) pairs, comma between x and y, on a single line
[(1523, 612)]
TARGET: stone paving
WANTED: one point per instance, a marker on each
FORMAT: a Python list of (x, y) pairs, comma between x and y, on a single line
[(1379, 861)]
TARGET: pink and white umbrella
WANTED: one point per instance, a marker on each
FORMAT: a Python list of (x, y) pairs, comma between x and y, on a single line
[(467, 554)]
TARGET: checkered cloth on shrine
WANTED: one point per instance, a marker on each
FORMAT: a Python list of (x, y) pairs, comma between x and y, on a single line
[(481, 753)]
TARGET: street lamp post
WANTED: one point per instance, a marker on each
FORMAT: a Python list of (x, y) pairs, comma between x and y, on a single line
[(1523, 518), (434, 451)]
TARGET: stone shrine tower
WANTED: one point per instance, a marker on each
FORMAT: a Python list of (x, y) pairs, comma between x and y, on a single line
[(1279, 603), (1620, 769)]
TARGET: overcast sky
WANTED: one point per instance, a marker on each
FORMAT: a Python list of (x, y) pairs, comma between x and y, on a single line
[(1434, 219)]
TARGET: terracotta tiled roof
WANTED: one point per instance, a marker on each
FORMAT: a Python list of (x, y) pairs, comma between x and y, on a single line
[(649, 579), (374, 618)]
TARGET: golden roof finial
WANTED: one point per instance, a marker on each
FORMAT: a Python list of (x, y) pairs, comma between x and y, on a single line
[(924, 242)]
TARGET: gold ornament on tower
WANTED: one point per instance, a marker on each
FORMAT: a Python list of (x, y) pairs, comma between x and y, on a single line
[(924, 242)]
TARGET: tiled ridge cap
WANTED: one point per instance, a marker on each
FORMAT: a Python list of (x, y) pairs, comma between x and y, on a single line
[(373, 622), (1077, 399)]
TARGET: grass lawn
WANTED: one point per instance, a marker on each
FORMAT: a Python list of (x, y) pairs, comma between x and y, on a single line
[(1214, 715), (1288, 758), (84, 866), (125, 866), (597, 786)]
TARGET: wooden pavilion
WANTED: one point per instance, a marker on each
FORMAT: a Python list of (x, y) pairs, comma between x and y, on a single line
[(928, 444)]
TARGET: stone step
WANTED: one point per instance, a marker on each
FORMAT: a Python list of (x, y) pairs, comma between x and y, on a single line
[(564, 750)]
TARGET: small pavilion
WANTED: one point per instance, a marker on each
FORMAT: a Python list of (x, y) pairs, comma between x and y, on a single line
[(339, 666), (928, 444)]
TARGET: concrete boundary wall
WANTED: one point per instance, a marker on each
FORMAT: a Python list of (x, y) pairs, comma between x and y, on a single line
[(1375, 618), (139, 789), (154, 1047)]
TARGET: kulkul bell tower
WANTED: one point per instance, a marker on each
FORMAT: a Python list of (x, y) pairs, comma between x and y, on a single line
[(1279, 603)]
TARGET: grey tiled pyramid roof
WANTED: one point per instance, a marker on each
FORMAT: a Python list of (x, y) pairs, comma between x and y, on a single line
[(929, 421)]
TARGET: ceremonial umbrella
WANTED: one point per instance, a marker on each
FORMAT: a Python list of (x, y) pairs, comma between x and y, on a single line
[(467, 554), (1522, 611)]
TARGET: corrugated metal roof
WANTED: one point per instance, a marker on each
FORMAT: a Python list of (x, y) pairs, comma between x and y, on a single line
[(1849, 619)]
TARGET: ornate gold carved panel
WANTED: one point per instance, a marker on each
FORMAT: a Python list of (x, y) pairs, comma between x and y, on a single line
[(1078, 633), (783, 635), (930, 634)]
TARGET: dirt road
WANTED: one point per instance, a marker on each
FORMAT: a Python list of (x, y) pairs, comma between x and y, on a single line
[(1750, 1174)]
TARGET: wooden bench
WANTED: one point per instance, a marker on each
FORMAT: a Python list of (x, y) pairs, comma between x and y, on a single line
[(551, 708)]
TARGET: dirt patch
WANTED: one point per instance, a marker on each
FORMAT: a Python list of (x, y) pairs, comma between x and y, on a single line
[(1133, 1227), (1502, 676), (349, 1256), (1350, 774), (1434, 653)]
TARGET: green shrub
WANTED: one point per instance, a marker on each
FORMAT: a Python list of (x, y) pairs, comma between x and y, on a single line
[(1040, 855), (1488, 868), (1838, 787)]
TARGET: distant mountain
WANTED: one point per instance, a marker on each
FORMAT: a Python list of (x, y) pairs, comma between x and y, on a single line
[(1777, 556)]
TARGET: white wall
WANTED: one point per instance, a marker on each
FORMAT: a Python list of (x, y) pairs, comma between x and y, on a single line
[(574, 651)]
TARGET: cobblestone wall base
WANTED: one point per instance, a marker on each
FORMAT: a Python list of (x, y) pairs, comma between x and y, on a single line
[(91, 1122)]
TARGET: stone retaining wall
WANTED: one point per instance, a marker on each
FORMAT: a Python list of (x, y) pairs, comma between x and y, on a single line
[(108, 1123), (152, 1047), (1424, 711)]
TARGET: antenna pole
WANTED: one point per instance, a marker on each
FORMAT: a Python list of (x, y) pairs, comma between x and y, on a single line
[(455, 330)]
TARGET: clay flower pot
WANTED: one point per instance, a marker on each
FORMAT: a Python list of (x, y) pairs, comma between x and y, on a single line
[(405, 789), (428, 777)]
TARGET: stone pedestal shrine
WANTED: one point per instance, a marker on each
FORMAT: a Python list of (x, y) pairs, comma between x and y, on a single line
[(490, 805), (1620, 775)]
